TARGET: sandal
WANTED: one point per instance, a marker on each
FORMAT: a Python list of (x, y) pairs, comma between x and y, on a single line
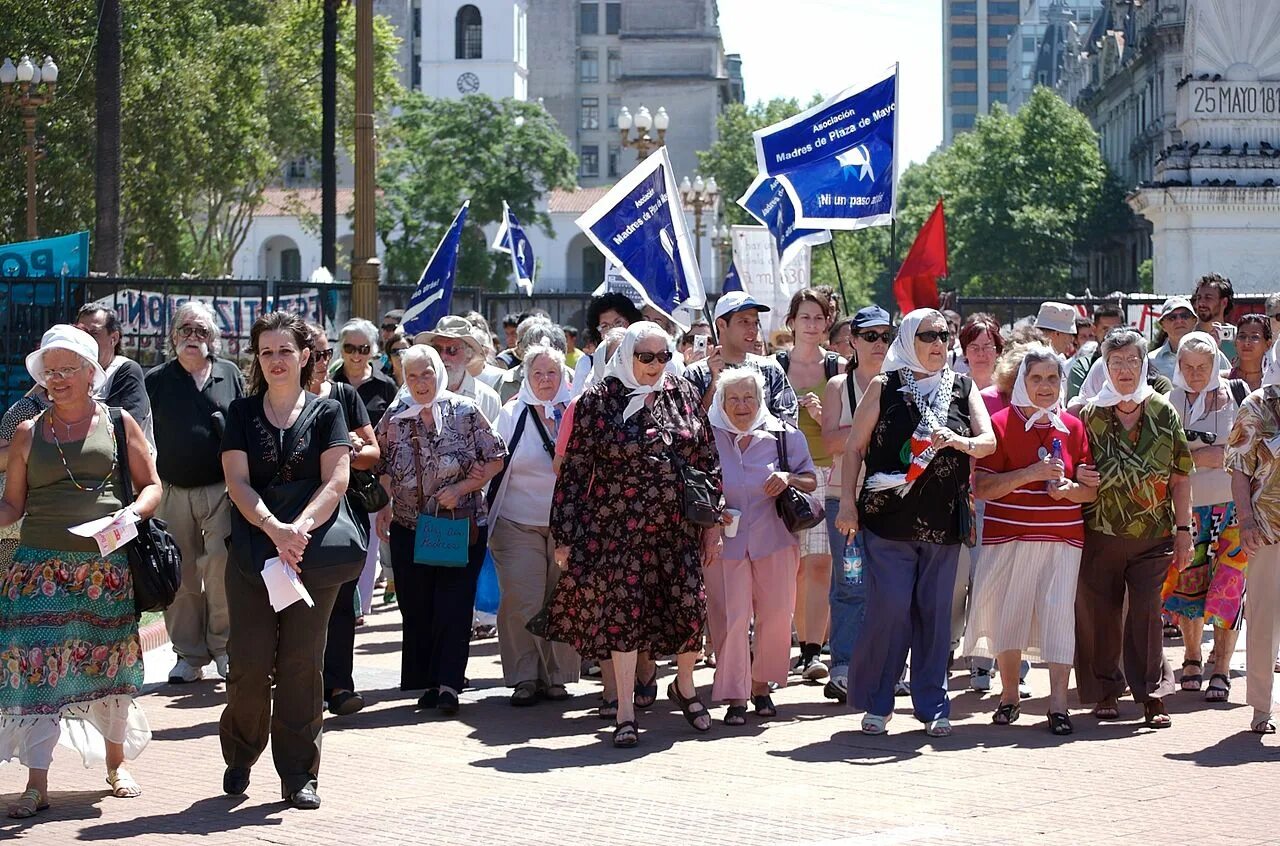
[(764, 705), (1218, 694), (1155, 714), (123, 785), (626, 734), (1191, 681), (875, 724), (608, 709), (735, 715), (645, 694), (686, 707), (526, 694), (1060, 723), (1260, 725), (1007, 713), (554, 693), (1107, 709), (940, 727), (30, 803)]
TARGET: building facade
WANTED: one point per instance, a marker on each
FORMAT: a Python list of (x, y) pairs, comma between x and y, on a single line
[(975, 60), (1037, 45)]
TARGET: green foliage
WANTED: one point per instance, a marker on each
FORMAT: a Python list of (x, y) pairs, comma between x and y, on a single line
[(732, 159), (217, 97), (441, 152), (1146, 277)]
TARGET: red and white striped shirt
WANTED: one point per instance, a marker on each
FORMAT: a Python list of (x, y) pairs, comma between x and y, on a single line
[(1029, 513)]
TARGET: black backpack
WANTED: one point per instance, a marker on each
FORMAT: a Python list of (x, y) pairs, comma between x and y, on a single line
[(830, 364)]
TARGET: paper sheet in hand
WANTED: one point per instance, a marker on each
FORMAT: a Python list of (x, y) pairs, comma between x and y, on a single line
[(111, 532), (283, 585)]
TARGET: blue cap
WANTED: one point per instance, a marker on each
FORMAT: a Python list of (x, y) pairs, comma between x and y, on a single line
[(871, 316), (736, 301)]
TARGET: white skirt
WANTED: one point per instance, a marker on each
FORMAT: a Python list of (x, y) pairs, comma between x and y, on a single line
[(816, 541), (1024, 597), (86, 728)]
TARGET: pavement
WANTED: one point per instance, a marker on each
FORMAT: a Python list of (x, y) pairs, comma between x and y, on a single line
[(548, 774)]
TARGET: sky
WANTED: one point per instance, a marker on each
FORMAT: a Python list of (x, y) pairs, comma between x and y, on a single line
[(794, 48)]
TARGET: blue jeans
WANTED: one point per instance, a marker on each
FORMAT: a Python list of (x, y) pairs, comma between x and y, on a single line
[(848, 598)]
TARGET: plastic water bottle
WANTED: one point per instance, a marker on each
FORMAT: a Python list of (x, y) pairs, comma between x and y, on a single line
[(852, 564), (1057, 456)]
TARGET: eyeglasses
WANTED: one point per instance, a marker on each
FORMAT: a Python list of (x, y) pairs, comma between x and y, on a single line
[(390, 327), (1179, 315), (886, 336), (651, 357), (449, 349), (63, 373), (617, 324), (356, 349), (322, 355), (189, 331), (929, 336), (1131, 363), (397, 351), (1251, 338), (980, 348), (1207, 437)]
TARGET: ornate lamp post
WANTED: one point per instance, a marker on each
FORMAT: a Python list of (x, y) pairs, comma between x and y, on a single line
[(699, 195), (721, 242), (29, 87), (643, 122)]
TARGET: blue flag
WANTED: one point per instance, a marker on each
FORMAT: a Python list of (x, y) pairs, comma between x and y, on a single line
[(432, 297), (640, 226), (512, 240), (767, 201), (732, 282), (66, 255), (837, 160)]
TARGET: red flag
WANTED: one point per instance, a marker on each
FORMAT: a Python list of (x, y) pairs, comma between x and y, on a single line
[(916, 285)]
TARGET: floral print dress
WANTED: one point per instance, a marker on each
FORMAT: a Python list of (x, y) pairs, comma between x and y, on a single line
[(634, 578)]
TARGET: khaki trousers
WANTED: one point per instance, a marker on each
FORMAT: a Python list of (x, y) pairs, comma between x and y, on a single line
[(527, 573), (200, 521), (1262, 629)]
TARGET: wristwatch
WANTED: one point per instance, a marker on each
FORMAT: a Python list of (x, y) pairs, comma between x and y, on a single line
[(1186, 529)]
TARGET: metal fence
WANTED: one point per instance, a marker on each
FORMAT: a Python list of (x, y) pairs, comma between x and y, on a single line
[(1140, 308)]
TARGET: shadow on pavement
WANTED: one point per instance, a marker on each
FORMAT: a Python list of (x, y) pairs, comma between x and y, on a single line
[(1243, 747), (207, 816), (64, 806)]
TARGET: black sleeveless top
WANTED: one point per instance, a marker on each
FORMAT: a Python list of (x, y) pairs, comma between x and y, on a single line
[(930, 511)]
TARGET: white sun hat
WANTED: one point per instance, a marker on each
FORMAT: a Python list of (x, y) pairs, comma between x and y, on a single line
[(63, 336)]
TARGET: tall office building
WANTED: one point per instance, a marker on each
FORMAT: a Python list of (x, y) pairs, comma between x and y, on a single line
[(1036, 50), (975, 59)]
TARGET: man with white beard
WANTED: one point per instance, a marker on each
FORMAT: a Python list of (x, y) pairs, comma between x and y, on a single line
[(190, 395)]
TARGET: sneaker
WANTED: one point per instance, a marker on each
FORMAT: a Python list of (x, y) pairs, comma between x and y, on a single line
[(185, 672), (980, 680), (813, 669), (837, 688), (220, 665)]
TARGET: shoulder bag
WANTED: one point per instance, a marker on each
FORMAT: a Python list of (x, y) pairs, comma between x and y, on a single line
[(155, 562), (526, 413), (700, 502), (798, 510), (440, 541)]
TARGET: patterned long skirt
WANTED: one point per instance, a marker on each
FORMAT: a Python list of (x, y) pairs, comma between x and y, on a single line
[(1213, 586), (70, 658)]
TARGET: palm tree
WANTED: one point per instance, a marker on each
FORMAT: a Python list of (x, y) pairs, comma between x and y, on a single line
[(106, 227)]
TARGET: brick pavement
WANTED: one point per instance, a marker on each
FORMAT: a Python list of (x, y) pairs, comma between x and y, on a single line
[(548, 774)]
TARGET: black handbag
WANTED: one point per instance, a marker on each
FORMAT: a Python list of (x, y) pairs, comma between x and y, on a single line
[(336, 552), (366, 492), (798, 510), (155, 562), (700, 501)]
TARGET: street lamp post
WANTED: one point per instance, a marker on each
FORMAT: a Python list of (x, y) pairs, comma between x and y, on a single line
[(720, 242), (643, 122), (29, 87), (699, 195)]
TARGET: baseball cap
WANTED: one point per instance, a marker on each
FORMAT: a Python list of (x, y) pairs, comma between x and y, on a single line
[(871, 316), (1173, 304), (736, 301)]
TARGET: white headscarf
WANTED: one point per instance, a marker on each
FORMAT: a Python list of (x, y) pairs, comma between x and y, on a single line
[(443, 394), (721, 420), (622, 365), (902, 352), (529, 398), (1180, 382), (599, 362), (1271, 366), (1109, 395), (1022, 398)]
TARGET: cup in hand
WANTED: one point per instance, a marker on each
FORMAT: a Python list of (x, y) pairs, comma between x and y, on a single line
[(731, 529)]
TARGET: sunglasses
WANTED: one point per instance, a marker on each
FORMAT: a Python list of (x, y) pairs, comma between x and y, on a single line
[(356, 349), (390, 327), (194, 332), (449, 349), (886, 336), (651, 357), (929, 336), (322, 355), (1179, 315), (1207, 437)]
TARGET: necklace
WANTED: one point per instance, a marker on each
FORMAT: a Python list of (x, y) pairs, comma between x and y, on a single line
[(65, 466), (68, 426), (271, 412)]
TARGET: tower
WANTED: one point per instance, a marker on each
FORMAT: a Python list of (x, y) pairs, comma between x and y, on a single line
[(477, 47)]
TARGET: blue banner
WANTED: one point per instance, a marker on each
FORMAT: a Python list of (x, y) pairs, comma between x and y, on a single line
[(836, 161), (767, 201), (640, 226), (512, 240), (732, 281), (432, 297), (66, 255)]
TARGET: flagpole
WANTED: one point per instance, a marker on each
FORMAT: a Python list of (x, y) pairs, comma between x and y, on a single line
[(839, 278)]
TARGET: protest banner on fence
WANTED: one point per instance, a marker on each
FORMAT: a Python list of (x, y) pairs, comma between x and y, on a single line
[(66, 255)]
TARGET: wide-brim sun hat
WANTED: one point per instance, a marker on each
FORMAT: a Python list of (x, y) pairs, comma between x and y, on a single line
[(64, 336), (454, 328)]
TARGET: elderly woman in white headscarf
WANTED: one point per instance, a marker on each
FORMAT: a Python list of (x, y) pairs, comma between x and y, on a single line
[(70, 661), (915, 430), (633, 558), (1033, 531), (754, 577), (1139, 523), (520, 533), (1213, 585), (437, 525)]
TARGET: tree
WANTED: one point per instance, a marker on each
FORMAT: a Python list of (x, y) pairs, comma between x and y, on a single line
[(732, 159), (441, 152), (106, 229)]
